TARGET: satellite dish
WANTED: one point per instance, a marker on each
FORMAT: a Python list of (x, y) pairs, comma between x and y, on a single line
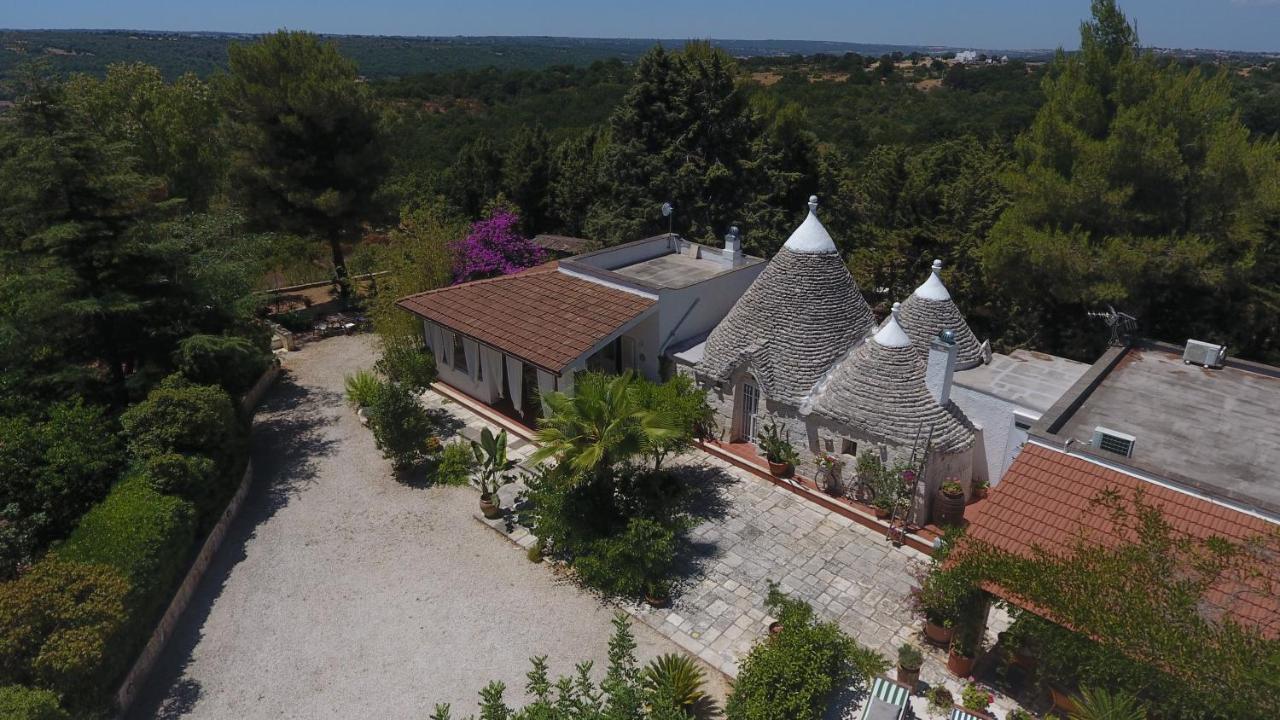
[(667, 209)]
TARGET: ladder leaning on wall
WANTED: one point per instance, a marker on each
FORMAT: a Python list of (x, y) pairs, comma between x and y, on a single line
[(900, 515)]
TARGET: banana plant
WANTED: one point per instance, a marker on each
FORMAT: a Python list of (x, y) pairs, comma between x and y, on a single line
[(491, 455)]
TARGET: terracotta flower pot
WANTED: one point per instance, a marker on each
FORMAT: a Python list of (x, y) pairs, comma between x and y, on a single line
[(656, 601), (960, 665), (489, 508), (1062, 699), (782, 469), (881, 513), (910, 678), (939, 634), (948, 509), (775, 628)]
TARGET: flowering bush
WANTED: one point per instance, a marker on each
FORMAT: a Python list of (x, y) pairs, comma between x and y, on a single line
[(494, 248)]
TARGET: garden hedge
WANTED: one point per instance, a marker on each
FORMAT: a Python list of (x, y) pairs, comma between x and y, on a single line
[(232, 363)]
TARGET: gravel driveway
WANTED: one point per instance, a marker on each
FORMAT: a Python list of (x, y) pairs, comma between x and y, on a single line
[(341, 593)]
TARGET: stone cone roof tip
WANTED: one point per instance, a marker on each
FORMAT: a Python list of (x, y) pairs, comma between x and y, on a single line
[(812, 235), (929, 311), (880, 390), (798, 318)]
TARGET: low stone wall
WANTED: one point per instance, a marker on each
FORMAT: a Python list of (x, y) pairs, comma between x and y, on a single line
[(137, 677)]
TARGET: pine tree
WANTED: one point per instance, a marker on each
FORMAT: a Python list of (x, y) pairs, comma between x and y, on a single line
[(526, 177), (307, 150)]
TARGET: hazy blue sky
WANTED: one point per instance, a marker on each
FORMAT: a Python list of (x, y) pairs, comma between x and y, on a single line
[(1227, 24)]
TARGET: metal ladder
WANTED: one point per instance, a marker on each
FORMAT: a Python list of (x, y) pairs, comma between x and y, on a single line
[(897, 530)]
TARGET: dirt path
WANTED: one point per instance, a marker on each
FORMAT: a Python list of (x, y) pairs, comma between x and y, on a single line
[(340, 593)]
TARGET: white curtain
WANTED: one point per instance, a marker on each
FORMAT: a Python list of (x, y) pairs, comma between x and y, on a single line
[(491, 360), (515, 376), (429, 335), (566, 380), (443, 346), (546, 385), (471, 349)]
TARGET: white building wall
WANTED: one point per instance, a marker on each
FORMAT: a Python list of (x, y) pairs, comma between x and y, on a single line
[(706, 303), (999, 437)]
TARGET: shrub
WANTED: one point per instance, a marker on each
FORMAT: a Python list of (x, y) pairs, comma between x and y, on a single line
[(24, 703), (791, 676), (232, 363), (405, 361), (194, 478), (940, 700), (362, 388), (57, 623), (676, 677), (179, 416), (52, 469), (401, 425), (634, 562), (975, 697), (456, 465), (1020, 714), (143, 534), (909, 657)]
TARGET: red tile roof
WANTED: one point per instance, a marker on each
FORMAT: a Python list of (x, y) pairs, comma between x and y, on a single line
[(541, 315), (1047, 500)]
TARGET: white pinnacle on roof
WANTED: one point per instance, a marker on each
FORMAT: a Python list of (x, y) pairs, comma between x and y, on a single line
[(891, 333), (933, 289), (811, 236)]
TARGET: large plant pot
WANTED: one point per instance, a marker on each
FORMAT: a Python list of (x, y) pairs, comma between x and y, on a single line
[(938, 634), (782, 470), (657, 601), (960, 665), (489, 508), (910, 678), (948, 509), (1062, 700)]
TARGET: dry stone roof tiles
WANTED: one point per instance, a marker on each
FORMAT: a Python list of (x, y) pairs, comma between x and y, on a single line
[(880, 390), (929, 311), (795, 321)]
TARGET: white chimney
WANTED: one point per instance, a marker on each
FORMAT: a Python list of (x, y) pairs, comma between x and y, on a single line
[(942, 366), (733, 244)]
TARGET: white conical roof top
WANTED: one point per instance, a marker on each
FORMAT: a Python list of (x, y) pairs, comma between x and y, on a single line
[(929, 311), (811, 236), (879, 389), (800, 316)]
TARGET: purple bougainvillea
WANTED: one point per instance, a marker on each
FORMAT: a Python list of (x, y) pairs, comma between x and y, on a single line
[(494, 248)]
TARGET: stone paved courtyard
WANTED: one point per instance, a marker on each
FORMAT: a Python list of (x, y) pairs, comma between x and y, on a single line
[(848, 572)]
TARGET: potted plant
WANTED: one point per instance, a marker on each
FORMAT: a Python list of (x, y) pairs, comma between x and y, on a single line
[(949, 506), (975, 697), (940, 700), (909, 661), (980, 489), (778, 451), (491, 455), (963, 652), (938, 630)]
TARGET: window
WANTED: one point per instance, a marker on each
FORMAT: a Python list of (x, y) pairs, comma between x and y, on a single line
[(459, 354), (750, 405), (848, 447)]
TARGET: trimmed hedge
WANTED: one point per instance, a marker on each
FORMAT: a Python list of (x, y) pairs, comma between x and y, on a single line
[(180, 416), (140, 532), (24, 703), (59, 625), (232, 363)]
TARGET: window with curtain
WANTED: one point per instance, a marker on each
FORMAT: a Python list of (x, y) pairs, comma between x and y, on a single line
[(459, 354)]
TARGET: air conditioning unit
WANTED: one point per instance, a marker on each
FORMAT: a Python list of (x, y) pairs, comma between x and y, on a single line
[(1113, 441), (1203, 353)]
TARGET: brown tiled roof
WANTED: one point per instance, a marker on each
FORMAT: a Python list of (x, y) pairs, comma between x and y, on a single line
[(562, 243), (1047, 500), (541, 315)]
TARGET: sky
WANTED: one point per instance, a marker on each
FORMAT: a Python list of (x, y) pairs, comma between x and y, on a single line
[(995, 24)]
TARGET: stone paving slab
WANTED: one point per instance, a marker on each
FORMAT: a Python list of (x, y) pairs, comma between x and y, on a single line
[(849, 573)]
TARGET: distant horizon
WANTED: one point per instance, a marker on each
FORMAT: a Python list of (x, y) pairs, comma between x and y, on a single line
[(635, 38), (1224, 25)]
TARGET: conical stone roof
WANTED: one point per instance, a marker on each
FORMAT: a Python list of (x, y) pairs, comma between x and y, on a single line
[(929, 311), (800, 315), (879, 389)]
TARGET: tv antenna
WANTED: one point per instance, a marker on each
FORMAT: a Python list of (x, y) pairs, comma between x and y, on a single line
[(1122, 324), (668, 210)]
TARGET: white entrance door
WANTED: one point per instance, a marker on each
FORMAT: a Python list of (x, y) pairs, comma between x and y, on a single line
[(750, 404)]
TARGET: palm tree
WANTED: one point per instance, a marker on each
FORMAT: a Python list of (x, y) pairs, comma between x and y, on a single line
[(1103, 704), (599, 426)]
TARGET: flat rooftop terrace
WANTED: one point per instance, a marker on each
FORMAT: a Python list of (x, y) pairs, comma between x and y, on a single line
[(1033, 380), (672, 271), (659, 263), (1216, 430)]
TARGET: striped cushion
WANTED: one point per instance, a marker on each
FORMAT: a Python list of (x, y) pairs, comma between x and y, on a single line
[(890, 692), (961, 714), (887, 700)]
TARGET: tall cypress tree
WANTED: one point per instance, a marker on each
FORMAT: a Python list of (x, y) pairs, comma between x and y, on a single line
[(308, 156)]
